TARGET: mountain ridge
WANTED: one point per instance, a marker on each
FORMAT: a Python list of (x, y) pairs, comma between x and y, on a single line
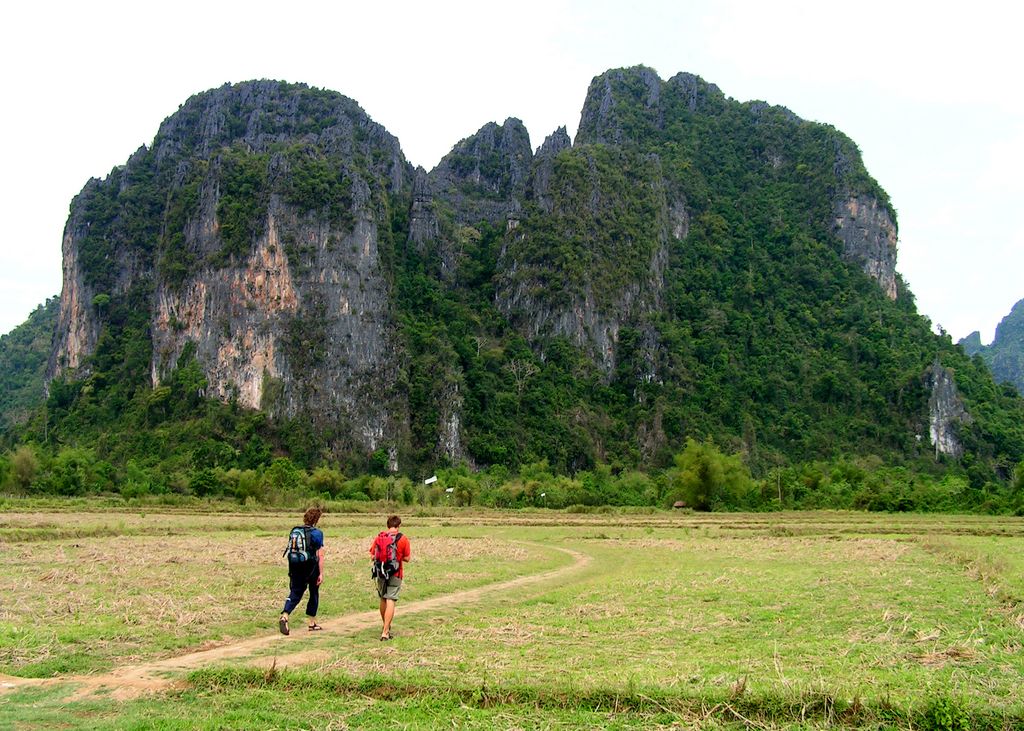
[(1005, 354), (689, 265)]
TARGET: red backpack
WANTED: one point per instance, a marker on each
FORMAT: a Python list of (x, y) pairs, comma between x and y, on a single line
[(385, 555)]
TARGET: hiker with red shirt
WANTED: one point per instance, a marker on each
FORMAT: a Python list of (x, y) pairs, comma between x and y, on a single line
[(389, 584)]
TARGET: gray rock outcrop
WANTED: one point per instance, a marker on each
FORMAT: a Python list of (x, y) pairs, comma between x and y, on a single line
[(543, 168), (869, 238), (484, 176), (639, 94), (946, 412)]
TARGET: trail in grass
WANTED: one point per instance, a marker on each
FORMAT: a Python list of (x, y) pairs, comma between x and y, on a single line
[(129, 681)]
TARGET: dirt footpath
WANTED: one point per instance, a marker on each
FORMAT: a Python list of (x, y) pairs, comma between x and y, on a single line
[(130, 681)]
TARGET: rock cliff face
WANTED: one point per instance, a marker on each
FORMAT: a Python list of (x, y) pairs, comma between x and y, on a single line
[(479, 185), (322, 334), (544, 166), (972, 343), (579, 267), (78, 325), (869, 238), (946, 412), (113, 268), (627, 105)]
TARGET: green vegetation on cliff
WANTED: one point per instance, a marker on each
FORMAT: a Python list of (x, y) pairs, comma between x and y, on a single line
[(23, 355), (604, 227)]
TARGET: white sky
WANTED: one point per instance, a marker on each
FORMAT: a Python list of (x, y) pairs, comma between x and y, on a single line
[(929, 91)]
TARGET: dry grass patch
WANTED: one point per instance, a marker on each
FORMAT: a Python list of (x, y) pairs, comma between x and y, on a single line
[(446, 550), (506, 634), (940, 658), (84, 603)]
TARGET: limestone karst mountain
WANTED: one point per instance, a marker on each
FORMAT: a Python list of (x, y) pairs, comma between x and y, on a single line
[(689, 265)]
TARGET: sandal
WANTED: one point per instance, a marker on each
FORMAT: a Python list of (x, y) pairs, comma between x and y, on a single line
[(385, 638), (282, 624), (315, 627)]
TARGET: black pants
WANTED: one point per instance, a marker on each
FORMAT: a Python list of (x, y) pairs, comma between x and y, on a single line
[(300, 578)]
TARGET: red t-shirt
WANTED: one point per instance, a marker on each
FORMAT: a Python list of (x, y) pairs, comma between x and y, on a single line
[(402, 552)]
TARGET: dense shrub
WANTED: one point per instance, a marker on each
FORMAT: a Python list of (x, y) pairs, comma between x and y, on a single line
[(706, 479)]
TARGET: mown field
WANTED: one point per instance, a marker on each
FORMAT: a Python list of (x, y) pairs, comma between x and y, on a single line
[(799, 620)]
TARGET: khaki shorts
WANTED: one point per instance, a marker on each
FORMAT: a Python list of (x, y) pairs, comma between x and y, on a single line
[(390, 589)]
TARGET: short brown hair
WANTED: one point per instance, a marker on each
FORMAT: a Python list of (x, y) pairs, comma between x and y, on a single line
[(312, 516), (394, 521)]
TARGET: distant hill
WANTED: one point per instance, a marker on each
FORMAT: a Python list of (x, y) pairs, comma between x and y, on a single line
[(1005, 356), (23, 355), (271, 277)]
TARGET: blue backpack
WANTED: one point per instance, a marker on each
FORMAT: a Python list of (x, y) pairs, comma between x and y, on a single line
[(300, 545)]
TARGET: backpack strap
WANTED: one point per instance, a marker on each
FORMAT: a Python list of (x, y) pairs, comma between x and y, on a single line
[(309, 541)]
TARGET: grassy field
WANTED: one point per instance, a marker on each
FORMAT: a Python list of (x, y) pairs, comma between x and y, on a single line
[(803, 620)]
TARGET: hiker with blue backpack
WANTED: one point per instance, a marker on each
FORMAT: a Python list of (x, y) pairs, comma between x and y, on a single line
[(305, 552), (389, 550)]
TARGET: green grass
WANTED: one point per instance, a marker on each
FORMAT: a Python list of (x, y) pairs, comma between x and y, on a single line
[(134, 587), (720, 621), (995, 561), (852, 616), (302, 700)]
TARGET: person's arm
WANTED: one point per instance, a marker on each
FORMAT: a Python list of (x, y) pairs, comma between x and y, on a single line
[(320, 563)]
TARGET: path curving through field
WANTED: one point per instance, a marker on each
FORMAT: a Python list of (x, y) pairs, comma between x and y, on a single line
[(130, 681)]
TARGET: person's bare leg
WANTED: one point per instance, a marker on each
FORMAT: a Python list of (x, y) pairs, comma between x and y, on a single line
[(389, 614)]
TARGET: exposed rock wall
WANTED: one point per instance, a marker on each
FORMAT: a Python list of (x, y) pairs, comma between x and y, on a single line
[(869, 238), (450, 442), (946, 412), (626, 105), (78, 325), (483, 179), (112, 272), (263, 114), (323, 332), (424, 227), (972, 343)]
